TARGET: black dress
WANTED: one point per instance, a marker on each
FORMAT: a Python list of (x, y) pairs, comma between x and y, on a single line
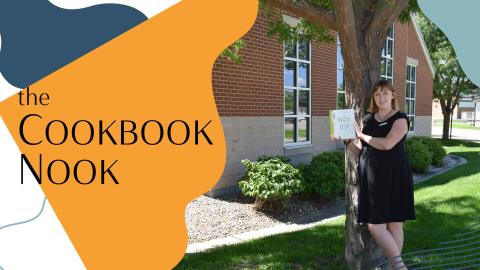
[(385, 178)]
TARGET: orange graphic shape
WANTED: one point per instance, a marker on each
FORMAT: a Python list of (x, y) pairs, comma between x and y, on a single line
[(159, 70)]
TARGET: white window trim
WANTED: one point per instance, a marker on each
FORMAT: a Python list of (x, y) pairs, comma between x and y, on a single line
[(341, 92), (410, 98), (392, 56), (290, 20), (412, 62), (296, 116)]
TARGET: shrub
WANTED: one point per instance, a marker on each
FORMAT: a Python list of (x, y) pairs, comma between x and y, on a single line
[(418, 154), (266, 158), (435, 149), (272, 182), (325, 175)]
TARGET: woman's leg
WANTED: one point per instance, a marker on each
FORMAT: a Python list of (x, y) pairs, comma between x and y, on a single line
[(387, 244), (396, 229)]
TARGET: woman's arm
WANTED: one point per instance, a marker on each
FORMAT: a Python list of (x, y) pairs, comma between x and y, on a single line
[(399, 129)]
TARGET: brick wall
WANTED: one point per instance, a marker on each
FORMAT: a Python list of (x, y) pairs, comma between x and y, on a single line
[(255, 87), (250, 97), (407, 44)]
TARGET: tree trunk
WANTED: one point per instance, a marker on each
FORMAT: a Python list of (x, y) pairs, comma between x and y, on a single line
[(362, 35), (446, 125), (361, 251), (361, 71)]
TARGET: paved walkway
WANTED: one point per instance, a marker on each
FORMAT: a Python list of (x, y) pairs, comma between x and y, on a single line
[(333, 212)]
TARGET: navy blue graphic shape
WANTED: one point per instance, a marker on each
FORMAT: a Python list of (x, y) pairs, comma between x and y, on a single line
[(38, 37)]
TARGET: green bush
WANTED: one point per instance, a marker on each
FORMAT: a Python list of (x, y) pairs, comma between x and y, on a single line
[(325, 175), (435, 149), (272, 182), (266, 158), (418, 154)]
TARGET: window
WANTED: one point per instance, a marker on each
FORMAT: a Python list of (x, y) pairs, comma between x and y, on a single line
[(340, 82), (386, 67), (297, 111), (387, 57), (410, 93), (467, 115)]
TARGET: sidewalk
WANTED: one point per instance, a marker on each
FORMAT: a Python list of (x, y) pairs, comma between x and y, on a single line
[(331, 213)]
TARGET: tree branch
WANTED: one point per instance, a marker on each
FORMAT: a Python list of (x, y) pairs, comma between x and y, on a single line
[(307, 11), (385, 12), (456, 89), (345, 18)]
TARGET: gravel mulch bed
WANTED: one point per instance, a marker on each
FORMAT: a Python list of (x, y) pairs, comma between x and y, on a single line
[(208, 218)]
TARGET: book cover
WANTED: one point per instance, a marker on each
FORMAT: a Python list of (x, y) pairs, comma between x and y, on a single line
[(342, 124)]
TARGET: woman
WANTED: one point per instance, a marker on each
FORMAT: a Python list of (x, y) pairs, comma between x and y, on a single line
[(386, 188)]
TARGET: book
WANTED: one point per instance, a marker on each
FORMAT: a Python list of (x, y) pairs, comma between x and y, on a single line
[(342, 124)]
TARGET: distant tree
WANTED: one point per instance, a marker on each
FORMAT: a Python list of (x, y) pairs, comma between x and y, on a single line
[(450, 82)]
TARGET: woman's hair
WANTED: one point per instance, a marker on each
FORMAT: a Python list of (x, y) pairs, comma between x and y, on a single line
[(378, 86)]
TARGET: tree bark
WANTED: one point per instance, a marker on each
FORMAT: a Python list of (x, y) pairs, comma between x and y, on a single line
[(362, 41), (446, 125), (361, 251), (361, 57)]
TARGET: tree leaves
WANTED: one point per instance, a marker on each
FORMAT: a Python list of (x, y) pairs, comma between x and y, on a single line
[(233, 52), (304, 30)]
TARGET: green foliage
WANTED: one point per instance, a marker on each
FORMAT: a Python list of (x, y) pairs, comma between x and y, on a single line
[(435, 149), (270, 179), (304, 30), (325, 175), (412, 7), (233, 52), (266, 158), (310, 30), (418, 154), (326, 4)]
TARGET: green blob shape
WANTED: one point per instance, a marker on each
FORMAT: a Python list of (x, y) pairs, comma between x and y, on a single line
[(457, 21)]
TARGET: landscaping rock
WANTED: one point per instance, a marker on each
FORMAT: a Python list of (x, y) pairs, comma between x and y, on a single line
[(209, 218)]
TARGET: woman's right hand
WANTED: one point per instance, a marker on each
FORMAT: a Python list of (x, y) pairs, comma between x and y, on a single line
[(340, 140)]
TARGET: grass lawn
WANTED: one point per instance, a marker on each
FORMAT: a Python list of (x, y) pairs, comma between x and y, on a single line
[(302, 133), (444, 205), (459, 125), (465, 126)]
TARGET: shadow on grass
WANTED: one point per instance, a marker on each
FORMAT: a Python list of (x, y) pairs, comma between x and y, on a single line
[(321, 247), (438, 221), (458, 143)]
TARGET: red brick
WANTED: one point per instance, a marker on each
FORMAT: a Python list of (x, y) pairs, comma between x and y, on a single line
[(255, 87)]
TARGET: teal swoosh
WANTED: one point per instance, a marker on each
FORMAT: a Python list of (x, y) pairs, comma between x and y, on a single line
[(26, 221)]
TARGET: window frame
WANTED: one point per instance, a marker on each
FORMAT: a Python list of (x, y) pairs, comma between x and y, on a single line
[(411, 64), (340, 67), (385, 56), (296, 90)]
